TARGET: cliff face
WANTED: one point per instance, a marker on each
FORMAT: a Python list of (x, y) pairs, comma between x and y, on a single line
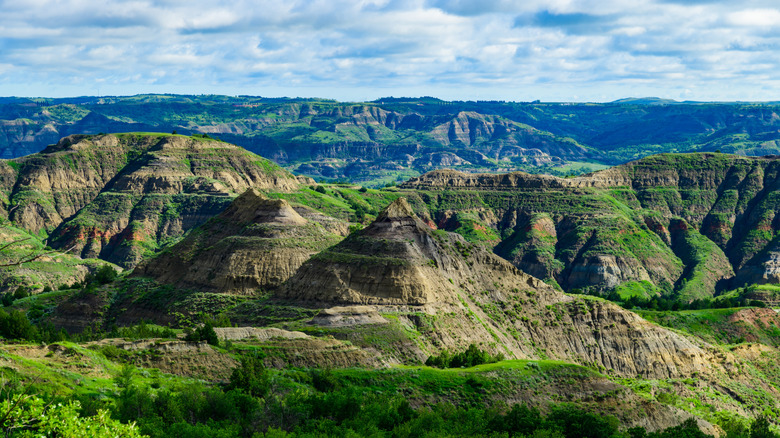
[(392, 261), (469, 295), (684, 222), (117, 196), (255, 244)]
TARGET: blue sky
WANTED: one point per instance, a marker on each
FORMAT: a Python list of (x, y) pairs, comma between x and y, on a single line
[(553, 50)]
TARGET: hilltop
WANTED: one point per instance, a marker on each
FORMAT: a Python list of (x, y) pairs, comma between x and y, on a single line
[(255, 244), (118, 197), (390, 140), (686, 224), (300, 274)]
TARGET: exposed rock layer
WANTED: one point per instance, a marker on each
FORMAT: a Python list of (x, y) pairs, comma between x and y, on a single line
[(672, 220), (117, 196), (256, 243), (401, 265)]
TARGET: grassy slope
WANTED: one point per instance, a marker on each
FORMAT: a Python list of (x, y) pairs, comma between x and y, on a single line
[(52, 270), (714, 326)]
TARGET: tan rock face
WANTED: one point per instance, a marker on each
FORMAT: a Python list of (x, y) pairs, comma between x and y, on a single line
[(392, 261), (347, 316), (116, 196), (255, 244), (402, 267), (255, 333), (606, 270), (601, 220)]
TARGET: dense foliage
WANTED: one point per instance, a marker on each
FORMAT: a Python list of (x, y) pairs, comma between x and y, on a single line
[(26, 415), (472, 356), (257, 407)]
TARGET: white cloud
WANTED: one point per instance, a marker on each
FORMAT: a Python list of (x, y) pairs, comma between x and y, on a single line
[(548, 49), (755, 17)]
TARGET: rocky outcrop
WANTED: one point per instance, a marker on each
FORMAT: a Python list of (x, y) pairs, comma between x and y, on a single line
[(255, 244), (255, 333), (181, 358), (117, 196), (765, 269), (395, 260), (348, 316), (624, 224), (404, 268), (30, 265)]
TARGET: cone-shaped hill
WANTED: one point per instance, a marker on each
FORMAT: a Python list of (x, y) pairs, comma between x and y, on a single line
[(256, 243), (398, 259), (454, 293)]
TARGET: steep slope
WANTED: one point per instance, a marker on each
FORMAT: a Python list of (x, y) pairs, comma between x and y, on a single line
[(465, 294), (26, 262), (393, 261), (685, 222), (118, 196), (256, 243)]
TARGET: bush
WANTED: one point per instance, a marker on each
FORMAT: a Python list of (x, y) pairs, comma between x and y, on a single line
[(21, 292), (473, 356), (8, 299), (15, 325), (105, 274), (760, 428), (204, 333), (251, 376), (323, 380), (576, 423)]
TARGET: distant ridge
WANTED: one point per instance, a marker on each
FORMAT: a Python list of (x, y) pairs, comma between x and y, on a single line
[(646, 101)]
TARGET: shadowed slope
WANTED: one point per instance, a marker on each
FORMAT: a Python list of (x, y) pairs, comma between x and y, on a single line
[(256, 243)]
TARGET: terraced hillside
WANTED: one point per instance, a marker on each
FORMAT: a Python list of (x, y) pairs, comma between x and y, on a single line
[(256, 243), (687, 224), (118, 197)]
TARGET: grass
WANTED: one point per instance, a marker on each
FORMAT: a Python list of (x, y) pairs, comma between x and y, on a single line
[(713, 326), (469, 386), (641, 289)]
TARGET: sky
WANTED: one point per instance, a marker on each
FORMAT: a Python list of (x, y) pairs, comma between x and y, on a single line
[(551, 50)]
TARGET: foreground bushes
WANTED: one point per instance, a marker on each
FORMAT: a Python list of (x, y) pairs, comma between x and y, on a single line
[(258, 402), (473, 356)]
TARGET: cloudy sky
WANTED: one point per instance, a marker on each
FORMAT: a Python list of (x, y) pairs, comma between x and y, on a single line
[(553, 50)]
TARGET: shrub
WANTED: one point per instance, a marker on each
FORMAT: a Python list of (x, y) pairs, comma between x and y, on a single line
[(203, 333), (251, 376), (105, 274), (473, 356)]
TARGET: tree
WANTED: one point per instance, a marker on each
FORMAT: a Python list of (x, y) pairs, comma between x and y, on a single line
[(208, 334), (27, 415), (105, 274), (251, 376), (760, 428)]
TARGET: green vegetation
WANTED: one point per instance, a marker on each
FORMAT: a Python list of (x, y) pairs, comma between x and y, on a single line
[(718, 326), (472, 356), (259, 401), (26, 415), (204, 333), (644, 290), (684, 222)]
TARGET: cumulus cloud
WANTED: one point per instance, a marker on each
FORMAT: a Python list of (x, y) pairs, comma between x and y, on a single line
[(363, 49)]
